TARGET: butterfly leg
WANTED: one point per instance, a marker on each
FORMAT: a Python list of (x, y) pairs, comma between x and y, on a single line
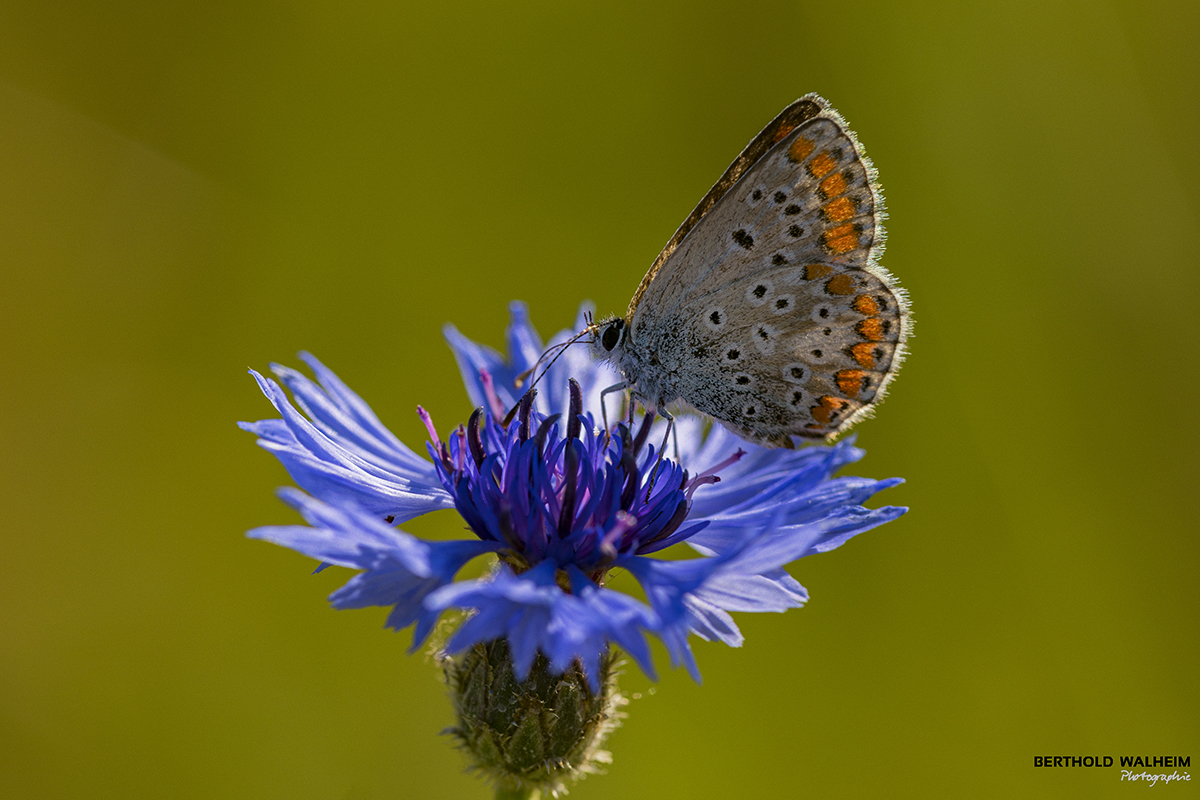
[(661, 449), (616, 387)]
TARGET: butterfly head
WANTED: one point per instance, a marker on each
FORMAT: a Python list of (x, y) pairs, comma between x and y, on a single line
[(608, 337)]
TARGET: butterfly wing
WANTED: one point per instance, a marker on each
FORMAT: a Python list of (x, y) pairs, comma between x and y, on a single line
[(798, 112), (778, 264)]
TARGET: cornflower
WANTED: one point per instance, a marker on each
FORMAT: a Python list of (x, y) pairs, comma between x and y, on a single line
[(560, 503)]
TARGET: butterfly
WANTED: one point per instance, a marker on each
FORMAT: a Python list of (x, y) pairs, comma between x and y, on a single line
[(768, 310)]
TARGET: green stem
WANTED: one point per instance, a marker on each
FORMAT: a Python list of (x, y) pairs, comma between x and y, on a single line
[(512, 793)]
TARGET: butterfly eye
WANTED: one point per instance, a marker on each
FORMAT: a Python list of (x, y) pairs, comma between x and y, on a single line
[(611, 334)]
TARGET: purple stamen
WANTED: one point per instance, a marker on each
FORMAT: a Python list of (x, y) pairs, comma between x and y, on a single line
[(630, 468), (643, 432), (710, 475), (576, 409), (570, 478), (543, 431), (698, 481), (524, 409), (563, 493), (733, 459), (571, 460), (507, 531), (474, 439), (625, 523), (432, 431), (672, 525), (461, 433), (489, 393), (438, 445)]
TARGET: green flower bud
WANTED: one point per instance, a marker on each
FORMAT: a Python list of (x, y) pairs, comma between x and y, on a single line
[(532, 735)]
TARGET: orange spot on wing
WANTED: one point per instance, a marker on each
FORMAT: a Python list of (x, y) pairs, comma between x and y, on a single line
[(850, 381), (866, 305), (870, 329), (783, 131), (864, 354), (839, 210), (840, 284), (834, 185), (800, 149), (827, 408), (843, 245), (822, 165), (841, 239), (814, 271)]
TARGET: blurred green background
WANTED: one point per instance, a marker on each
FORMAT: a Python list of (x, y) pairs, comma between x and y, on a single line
[(191, 188)]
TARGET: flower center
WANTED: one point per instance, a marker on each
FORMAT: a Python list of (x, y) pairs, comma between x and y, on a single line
[(571, 494)]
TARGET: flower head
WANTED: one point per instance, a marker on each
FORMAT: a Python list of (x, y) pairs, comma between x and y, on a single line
[(561, 503)]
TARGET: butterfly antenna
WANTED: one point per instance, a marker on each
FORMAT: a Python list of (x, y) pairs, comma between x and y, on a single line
[(519, 381), (557, 350), (589, 329)]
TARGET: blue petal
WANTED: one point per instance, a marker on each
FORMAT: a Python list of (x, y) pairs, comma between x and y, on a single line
[(818, 536), (771, 590), (507, 605), (695, 596), (343, 453), (534, 614), (525, 348), (524, 344), (472, 359), (340, 413), (770, 507), (667, 584), (401, 570), (344, 536), (762, 472), (600, 614), (710, 622)]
